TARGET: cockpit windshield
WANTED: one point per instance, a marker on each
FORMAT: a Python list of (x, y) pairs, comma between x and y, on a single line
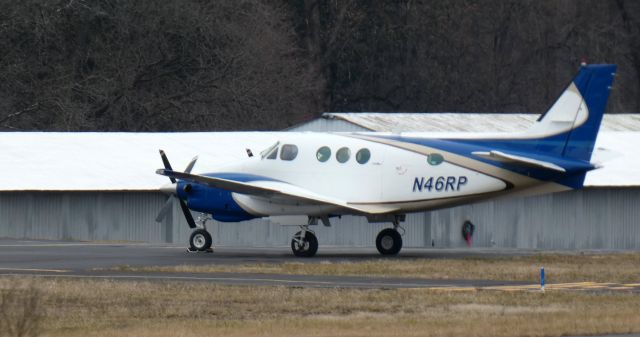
[(289, 152), (271, 152)]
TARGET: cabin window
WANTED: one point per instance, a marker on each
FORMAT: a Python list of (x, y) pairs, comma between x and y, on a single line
[(289, 152), (273, 154), (435, 159), (323, 154), (363, 155), (343, 154)]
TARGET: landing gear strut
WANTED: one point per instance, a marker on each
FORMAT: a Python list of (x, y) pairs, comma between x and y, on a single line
[(389, 240), (200, 240), (304, 242)]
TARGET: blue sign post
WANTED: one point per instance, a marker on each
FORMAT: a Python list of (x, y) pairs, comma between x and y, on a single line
[(542, 279)]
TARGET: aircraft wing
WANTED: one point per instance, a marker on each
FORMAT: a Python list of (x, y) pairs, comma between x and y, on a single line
[(274, 189), (518, 160)]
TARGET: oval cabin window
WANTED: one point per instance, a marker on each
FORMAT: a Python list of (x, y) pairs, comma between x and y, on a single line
[(323, 154), (363, 155), (435, 159), (343, 155)]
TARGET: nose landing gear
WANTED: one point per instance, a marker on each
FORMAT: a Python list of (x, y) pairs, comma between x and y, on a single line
[(200, 239)]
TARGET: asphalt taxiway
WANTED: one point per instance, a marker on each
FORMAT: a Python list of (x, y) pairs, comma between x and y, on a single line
[(97, 260), (102, 261), (90, 255)]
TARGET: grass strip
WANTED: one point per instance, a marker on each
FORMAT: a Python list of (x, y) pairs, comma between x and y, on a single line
[(123, 308), (610, 267)]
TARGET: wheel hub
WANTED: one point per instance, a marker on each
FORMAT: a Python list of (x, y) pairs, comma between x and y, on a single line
[(386, 242), (199, 240), (302, 245)]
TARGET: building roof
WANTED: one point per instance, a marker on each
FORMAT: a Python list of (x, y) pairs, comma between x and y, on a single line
[(621, 166), (50, 161), (463, 122)]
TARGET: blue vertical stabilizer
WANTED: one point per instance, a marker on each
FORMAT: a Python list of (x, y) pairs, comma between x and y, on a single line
[(594, 83), (570, 127)]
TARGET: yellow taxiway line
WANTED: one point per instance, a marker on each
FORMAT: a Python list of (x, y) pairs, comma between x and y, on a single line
[(575, 286)]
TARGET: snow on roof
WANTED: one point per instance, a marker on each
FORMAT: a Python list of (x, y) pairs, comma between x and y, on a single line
[(464, 122), (39, 161), (113, 161), (623, 166)]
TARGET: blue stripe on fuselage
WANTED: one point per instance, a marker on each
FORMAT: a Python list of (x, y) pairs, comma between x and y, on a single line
[(575, 168)]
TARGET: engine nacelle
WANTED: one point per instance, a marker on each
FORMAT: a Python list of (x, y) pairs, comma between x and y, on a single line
[(217, 202)]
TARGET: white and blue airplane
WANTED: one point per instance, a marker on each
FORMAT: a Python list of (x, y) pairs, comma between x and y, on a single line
[(384, 176)]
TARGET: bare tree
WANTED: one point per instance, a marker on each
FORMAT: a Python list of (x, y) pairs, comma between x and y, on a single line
[(254, 64), (148, 66), (466, 55)]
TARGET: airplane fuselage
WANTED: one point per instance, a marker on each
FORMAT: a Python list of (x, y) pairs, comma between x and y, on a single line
[(361, 169)]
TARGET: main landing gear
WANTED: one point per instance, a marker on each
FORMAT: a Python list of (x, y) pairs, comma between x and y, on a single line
[(200, 240), (305, 242), (389, 240)]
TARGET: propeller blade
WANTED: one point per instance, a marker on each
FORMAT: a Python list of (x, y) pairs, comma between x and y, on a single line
[(183, 205), (191, 164), (187, 214), (165, 209), (166, 163)]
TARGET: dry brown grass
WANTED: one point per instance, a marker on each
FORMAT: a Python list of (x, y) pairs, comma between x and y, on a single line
[(20, 311), (125, 308), (611, 267)]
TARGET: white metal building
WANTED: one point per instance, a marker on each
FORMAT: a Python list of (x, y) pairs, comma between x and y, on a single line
[(102, 186)]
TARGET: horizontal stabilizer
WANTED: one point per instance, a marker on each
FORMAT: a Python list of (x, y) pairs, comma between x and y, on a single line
[(273, 189), (518, 160)]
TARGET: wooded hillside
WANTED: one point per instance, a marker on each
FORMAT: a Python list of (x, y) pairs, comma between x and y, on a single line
[(119, 65)]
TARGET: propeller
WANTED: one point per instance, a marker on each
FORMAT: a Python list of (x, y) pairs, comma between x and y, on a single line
[(171, 190)]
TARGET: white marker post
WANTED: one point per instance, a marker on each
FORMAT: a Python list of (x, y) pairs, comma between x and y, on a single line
[(542, 279)]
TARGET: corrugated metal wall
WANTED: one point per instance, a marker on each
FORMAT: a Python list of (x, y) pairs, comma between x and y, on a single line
[(587, 219), (82, 216)]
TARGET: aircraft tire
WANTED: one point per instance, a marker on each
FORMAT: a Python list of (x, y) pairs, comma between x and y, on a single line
[(200, 240), (308, 249), (389, 242)]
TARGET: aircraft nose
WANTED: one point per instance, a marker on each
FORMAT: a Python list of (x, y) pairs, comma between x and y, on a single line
[(169, 188)]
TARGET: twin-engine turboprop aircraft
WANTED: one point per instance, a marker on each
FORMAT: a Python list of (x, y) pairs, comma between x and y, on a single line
[(384, 176)]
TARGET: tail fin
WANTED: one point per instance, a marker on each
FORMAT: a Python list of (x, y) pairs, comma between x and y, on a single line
[(569, 128)]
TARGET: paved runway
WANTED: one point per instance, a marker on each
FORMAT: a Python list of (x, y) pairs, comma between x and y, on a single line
[(87, 255), (81, 260)]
